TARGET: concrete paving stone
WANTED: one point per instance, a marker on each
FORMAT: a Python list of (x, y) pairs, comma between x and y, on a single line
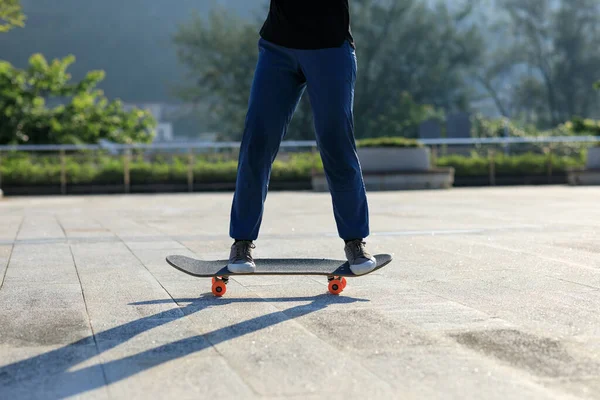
[(42, 263), (31, 254), (492, 294), (40, 227), (5, 252), (196, 289), (154, 261), (81, 226), (97, 264), (42, 315), (541, 356), (170, 245), (582, 388), (9, 228), (44, 327), (420, 310), (209, 249), (190, 376), (127, 228), (117, 311), (262, 344), (451, 373), (287, 360), (541, 260), (48, 373), (515, 286), (519, 308), (144, 334)]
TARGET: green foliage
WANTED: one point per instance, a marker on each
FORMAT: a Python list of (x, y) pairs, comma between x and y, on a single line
[(402, 120), (394, 61), (483, 127), (221, 56), (10, 15), (388, 142), (512, 165), (81, 115), (400, 81), (544, 64), (24, 170), (583, 126)]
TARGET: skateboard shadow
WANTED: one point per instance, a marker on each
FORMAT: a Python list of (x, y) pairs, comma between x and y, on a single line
[(51, 375)]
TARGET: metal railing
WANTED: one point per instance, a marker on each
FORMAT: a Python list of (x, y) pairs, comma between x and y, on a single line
[(191, 150), (140, 146), (296, 144)]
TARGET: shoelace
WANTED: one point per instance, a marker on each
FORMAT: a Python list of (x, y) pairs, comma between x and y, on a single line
[(358, 248), (242, 251)]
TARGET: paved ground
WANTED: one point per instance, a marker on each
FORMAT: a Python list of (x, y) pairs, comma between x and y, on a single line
[(493, 294)]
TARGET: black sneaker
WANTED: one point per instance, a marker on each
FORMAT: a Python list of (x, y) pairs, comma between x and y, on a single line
[(240, 258), (361, 262)]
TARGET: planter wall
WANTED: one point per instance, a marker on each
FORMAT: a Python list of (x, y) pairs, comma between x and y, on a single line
[(386, 159), (584, 177), (591, 174), (593, 158), (440, 178), (396, 168)]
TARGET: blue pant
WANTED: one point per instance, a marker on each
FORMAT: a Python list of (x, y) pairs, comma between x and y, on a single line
[(281, 77)]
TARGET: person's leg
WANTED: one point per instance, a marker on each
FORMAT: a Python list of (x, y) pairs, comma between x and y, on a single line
[(276, 90), (331, 76)]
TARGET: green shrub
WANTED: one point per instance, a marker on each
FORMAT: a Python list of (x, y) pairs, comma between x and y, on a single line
[(81, 114), (581, 126), (388, 142), (25, 170), (512, 165)]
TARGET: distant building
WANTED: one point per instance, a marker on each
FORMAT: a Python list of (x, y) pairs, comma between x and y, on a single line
[(164, 132)]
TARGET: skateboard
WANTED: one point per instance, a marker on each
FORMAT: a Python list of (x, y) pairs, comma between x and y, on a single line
[(336, 271)]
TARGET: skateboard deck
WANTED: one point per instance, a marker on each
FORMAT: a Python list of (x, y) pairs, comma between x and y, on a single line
[(335, 270)]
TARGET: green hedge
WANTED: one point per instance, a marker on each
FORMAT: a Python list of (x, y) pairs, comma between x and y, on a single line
[(388, 142), (517, 165), (24, 170), (45, 170)]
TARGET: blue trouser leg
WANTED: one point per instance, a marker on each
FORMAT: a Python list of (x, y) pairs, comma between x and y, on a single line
[(276, 90), (331, 77)]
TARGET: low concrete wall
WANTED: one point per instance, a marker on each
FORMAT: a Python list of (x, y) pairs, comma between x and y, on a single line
[(442, 178), (383, 159), (593, 158), (591, 174), (584, 177)]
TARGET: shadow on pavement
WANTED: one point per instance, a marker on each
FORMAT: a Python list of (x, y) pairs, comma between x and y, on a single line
[(48, 375)]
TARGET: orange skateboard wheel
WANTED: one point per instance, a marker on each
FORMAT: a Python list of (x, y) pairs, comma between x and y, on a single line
[(336, 286), (219, 288)]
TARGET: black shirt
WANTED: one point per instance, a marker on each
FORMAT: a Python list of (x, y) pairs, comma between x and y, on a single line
[(308, 24)]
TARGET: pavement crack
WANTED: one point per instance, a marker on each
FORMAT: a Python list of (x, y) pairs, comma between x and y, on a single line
[(87, 313), (12, 249)]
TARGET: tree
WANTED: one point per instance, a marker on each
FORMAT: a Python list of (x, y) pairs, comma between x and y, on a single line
[(10, 15), (81, 113), (404, 46), (220, 54), (547, 70), (409, 56)]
